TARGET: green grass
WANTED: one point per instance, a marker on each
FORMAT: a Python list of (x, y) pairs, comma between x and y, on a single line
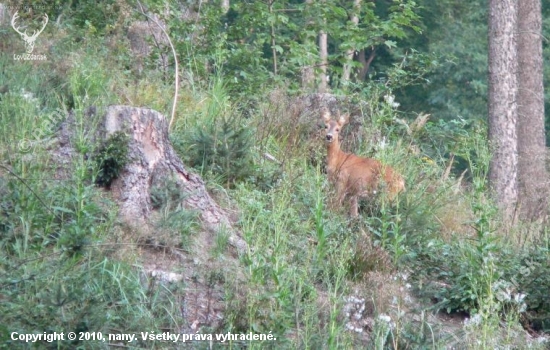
[(67, 263), (56, 272), (296, 267)]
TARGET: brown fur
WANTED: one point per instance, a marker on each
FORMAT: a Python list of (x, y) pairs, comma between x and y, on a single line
[(354, 176)]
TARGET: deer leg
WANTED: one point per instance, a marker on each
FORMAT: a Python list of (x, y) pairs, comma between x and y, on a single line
[(354, 208), (340, 193)]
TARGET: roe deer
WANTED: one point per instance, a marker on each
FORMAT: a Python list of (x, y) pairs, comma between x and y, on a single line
[(355, 176)]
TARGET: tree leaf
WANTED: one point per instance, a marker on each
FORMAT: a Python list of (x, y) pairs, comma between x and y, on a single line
[(390, 44)]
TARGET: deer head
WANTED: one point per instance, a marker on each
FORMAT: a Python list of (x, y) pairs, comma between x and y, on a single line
[(333, 127), (29, 39)]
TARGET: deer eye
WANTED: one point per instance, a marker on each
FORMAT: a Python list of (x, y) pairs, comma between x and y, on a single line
[(326, 126), (337, 129)]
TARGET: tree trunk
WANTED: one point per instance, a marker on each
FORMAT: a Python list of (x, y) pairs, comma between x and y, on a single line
[(365, 63), (346, 72), (503, 104), (308, 74), (532, 174), (153, 163), (273, 42), (323, 55)]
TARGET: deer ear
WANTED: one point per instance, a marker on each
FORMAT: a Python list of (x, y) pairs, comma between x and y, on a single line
[(325, 115), (343, 119)]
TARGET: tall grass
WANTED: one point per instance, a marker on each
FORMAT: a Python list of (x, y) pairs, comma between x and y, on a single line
[(296, 265), (57, 273), (62, 267), (304, 254)]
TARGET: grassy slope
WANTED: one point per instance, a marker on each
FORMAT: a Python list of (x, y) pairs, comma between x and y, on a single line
[(66, 264)]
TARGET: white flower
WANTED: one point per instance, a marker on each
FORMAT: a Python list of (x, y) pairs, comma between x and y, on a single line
[(475, 320), (390, 100), (518, 298), (383, 143)]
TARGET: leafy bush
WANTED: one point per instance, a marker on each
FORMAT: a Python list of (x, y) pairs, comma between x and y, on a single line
[(111, 158), (529, 275), (224, 150)]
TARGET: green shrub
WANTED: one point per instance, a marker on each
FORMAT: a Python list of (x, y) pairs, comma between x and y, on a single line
[(529, 274), (111, 158), (223, 150)]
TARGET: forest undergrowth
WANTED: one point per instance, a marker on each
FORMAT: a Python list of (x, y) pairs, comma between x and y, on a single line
[(434, 269)]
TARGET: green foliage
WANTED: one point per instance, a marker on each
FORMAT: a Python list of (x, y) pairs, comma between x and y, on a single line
[(176, 221), (387, 234), (222, 149), (455, 33), (306, 251), (418, 335), (95, 16), (257, 42), (84, 16), (111, 158), (93, 294), (55, 276), (471, 273), (166, 194), (61, 270), (527, 273), (469, 269)]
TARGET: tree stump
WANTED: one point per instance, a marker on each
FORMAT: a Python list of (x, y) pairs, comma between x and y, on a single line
[(152, 161)]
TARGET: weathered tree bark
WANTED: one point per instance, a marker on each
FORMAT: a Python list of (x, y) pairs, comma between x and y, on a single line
[(153, 162), (308, 74), (323, 55), (346, 71), (503, 104), (532, 174)]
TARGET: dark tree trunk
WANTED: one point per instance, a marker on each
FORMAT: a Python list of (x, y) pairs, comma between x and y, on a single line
[(503, 103), (365, 63), (346, 70), (532, 184)]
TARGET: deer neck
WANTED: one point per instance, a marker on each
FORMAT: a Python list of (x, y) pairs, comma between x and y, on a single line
[(334, 153)]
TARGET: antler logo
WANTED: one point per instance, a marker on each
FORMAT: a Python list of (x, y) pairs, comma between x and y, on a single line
[(29, 39)]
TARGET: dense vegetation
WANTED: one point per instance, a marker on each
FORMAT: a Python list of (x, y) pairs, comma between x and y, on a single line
[(68, 264)]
